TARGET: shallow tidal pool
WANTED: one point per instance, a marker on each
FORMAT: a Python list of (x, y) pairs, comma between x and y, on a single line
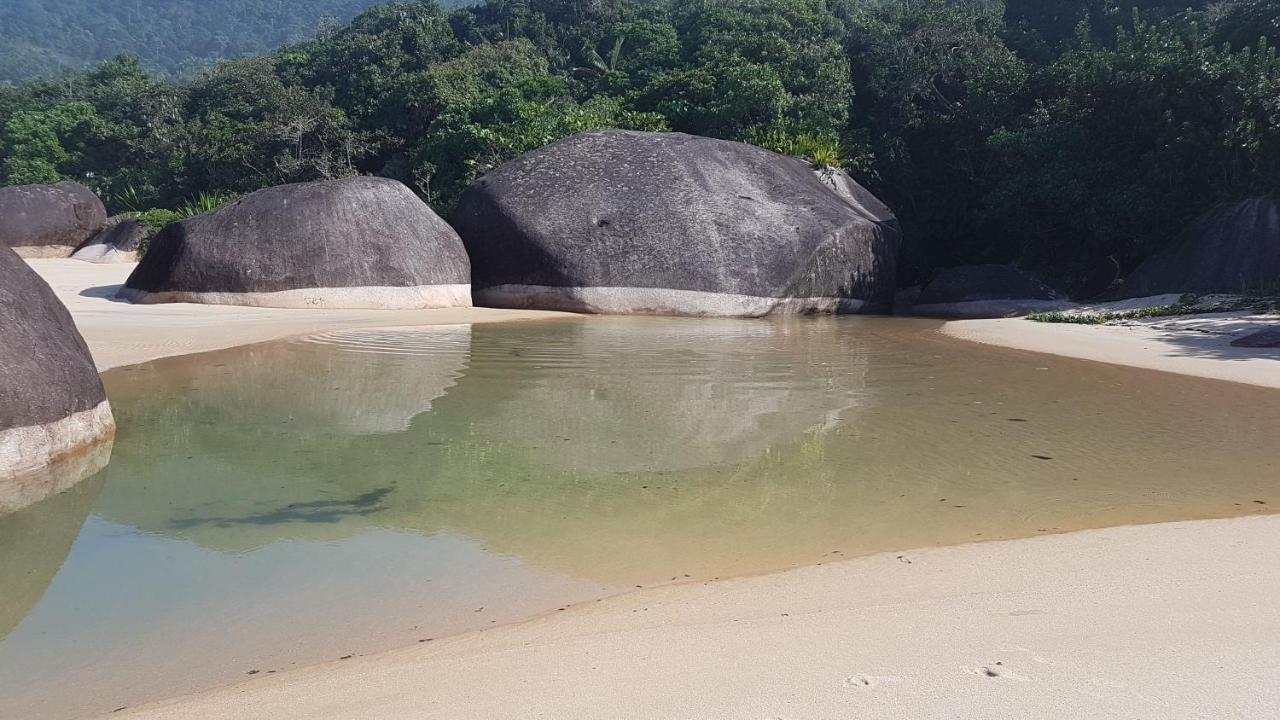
[(300, 501)]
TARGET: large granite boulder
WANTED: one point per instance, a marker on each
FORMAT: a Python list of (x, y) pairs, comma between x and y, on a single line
[(1230, 249), (1266, 338), (49, 220), (118, 242), (359, 242), (53, 409), (976, 291), (616, 221)]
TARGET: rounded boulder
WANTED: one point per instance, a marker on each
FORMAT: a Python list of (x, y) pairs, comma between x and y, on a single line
[(978, 291), (1233, 248), (615, 221), (359, 242), (49, 220), (53, 409), (118, 242)]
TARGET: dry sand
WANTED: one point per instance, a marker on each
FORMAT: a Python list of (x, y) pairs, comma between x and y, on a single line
[(1190, 344), (121, 333), (1165, 621)]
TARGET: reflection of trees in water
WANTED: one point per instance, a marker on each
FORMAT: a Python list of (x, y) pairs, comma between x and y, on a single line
[(561, 442), (34, 542)]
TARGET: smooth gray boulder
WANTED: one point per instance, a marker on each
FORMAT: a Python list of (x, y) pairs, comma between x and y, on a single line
[(1232, 248), (614, 221), (53, 409), (49, 220), (118, 242), (984, 291), (1268, 338), (359, 242)]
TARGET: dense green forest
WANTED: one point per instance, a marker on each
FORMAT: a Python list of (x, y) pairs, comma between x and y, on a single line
[(172, 37), (1069, 136)]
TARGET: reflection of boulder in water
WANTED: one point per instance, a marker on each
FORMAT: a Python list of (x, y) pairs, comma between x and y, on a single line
[(623, 396), (19, 492), (683, 437), (376, 383), (34, 543), (243, 447)]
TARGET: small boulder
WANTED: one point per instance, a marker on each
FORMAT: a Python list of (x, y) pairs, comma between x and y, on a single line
[(1232, 248), (359, 242), (49, 220), (978, 291), (614, 221), (53, 409), (118, 242), (1268, 338)]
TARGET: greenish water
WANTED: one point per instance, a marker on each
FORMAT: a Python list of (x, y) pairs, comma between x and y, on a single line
[(299, 501)]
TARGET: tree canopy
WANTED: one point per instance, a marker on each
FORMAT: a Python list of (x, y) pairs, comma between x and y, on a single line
[(1072, 138)]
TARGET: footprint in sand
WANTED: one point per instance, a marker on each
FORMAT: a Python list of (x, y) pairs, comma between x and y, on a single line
[(1028, 652), (869, 681), (996, 670)]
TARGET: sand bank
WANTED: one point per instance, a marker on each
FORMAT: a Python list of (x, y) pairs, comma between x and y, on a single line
[(1164, 621), (121, 333), (1197, 345)]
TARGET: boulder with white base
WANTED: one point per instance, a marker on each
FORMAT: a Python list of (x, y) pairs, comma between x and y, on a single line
[(53, 409), (615, 221), (118, 242), (359, 242), (41, 221)]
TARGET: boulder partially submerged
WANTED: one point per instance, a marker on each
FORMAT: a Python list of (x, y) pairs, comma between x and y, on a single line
[(53, 409), (1232, 248), (49, 220), (359, 242), (985, 291), (616, 221), (118, 242)]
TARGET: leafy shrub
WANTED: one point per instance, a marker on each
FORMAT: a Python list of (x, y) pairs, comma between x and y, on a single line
[(822, 151)]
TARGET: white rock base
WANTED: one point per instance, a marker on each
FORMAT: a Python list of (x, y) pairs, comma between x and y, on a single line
[(352, 298), (39, 460), (656, 301)]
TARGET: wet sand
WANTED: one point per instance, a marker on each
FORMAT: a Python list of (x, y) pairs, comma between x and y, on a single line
[(1161, 621)]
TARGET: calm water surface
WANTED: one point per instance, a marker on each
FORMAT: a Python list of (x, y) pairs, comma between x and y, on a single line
[(295, 502)]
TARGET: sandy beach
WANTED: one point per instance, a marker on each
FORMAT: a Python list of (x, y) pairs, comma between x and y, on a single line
[(121, 333), (1197, 345), (1162, 621)]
